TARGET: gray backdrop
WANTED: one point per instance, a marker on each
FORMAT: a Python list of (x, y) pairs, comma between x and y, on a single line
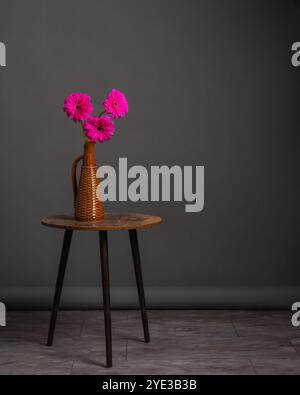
[(210, 83)]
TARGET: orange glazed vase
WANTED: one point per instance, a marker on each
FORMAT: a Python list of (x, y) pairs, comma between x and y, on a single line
[(87, 205)]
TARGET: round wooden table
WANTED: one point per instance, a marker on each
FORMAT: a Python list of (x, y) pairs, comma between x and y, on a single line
[(111, 222)]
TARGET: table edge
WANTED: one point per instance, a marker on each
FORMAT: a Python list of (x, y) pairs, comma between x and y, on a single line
[(99, 228)]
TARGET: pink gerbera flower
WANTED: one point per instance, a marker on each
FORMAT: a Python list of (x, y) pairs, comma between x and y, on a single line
[(116, 104), (99, 129), (78, 107)]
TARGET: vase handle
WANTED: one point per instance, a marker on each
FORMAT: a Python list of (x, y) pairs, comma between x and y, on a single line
[(74, 176)]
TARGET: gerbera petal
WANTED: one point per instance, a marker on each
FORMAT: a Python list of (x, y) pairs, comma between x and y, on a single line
[(116, 104), (78, 106), (101, 128)]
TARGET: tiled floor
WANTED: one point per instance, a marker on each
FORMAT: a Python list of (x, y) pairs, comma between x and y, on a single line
[(182, 342)]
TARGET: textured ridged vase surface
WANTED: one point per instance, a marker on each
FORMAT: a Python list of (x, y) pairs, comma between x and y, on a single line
[(87, 205)]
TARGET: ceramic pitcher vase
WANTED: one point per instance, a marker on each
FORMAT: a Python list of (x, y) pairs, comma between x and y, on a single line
[(86, 203)]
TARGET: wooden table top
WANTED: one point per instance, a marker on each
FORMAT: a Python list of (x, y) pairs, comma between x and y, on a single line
[(111, 221)]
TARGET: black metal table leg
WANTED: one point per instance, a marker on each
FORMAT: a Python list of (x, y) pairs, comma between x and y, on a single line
[(59, 283), (106, 295), (139, 281)]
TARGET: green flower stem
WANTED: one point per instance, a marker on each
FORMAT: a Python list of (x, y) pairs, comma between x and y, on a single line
[(102, 113)]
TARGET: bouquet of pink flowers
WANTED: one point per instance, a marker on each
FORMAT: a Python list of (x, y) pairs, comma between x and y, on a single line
[(79, 108)]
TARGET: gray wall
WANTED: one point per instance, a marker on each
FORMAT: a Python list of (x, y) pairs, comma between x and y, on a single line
[(209, 83)]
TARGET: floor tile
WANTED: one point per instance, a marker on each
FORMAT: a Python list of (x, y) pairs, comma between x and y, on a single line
[(182, 342), (210, 347), (165, 367), (277, 366)]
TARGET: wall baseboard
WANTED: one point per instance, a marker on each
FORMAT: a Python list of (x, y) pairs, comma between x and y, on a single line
[(194, 297)]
